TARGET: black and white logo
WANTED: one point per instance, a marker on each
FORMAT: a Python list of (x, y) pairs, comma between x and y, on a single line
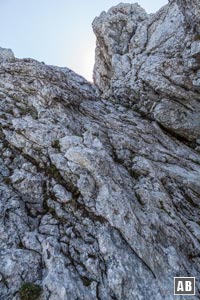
[(184, 285)]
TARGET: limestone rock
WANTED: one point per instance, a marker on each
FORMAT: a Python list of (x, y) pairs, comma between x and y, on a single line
[(191, 11), (6, 54), (159, 65), (99, 184)]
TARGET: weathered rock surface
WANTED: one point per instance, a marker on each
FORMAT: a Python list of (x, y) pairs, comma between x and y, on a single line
[(151, 63), (100, 194), (6, 55)]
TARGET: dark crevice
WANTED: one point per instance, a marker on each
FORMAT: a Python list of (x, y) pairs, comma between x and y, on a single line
[(183, 140)]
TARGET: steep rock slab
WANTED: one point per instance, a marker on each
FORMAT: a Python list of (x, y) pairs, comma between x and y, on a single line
[(191, 11), (151, 63), (98, 200)]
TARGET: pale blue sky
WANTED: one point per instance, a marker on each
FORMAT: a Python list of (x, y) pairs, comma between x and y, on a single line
[(58, 32)]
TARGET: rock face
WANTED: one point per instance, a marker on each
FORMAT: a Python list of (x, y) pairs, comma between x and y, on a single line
[(151, 63), (6, 55), (99, 185)]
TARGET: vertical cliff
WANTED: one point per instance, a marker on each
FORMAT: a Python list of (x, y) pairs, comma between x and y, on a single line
[(99, 184)]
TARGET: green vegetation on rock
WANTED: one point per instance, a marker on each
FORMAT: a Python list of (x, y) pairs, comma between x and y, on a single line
[(30, 291)]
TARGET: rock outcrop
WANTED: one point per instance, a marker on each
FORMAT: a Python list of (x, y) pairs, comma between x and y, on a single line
[(151, 63), (99, 184)]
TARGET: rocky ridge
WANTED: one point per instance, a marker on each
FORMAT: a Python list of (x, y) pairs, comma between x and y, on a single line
[(99, 183)]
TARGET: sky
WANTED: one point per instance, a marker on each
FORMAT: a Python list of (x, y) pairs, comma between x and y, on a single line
[(57, 32)]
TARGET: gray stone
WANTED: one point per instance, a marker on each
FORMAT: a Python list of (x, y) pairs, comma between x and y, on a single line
[(156, 64), (195, 49), (6, 55), (99, 184)]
